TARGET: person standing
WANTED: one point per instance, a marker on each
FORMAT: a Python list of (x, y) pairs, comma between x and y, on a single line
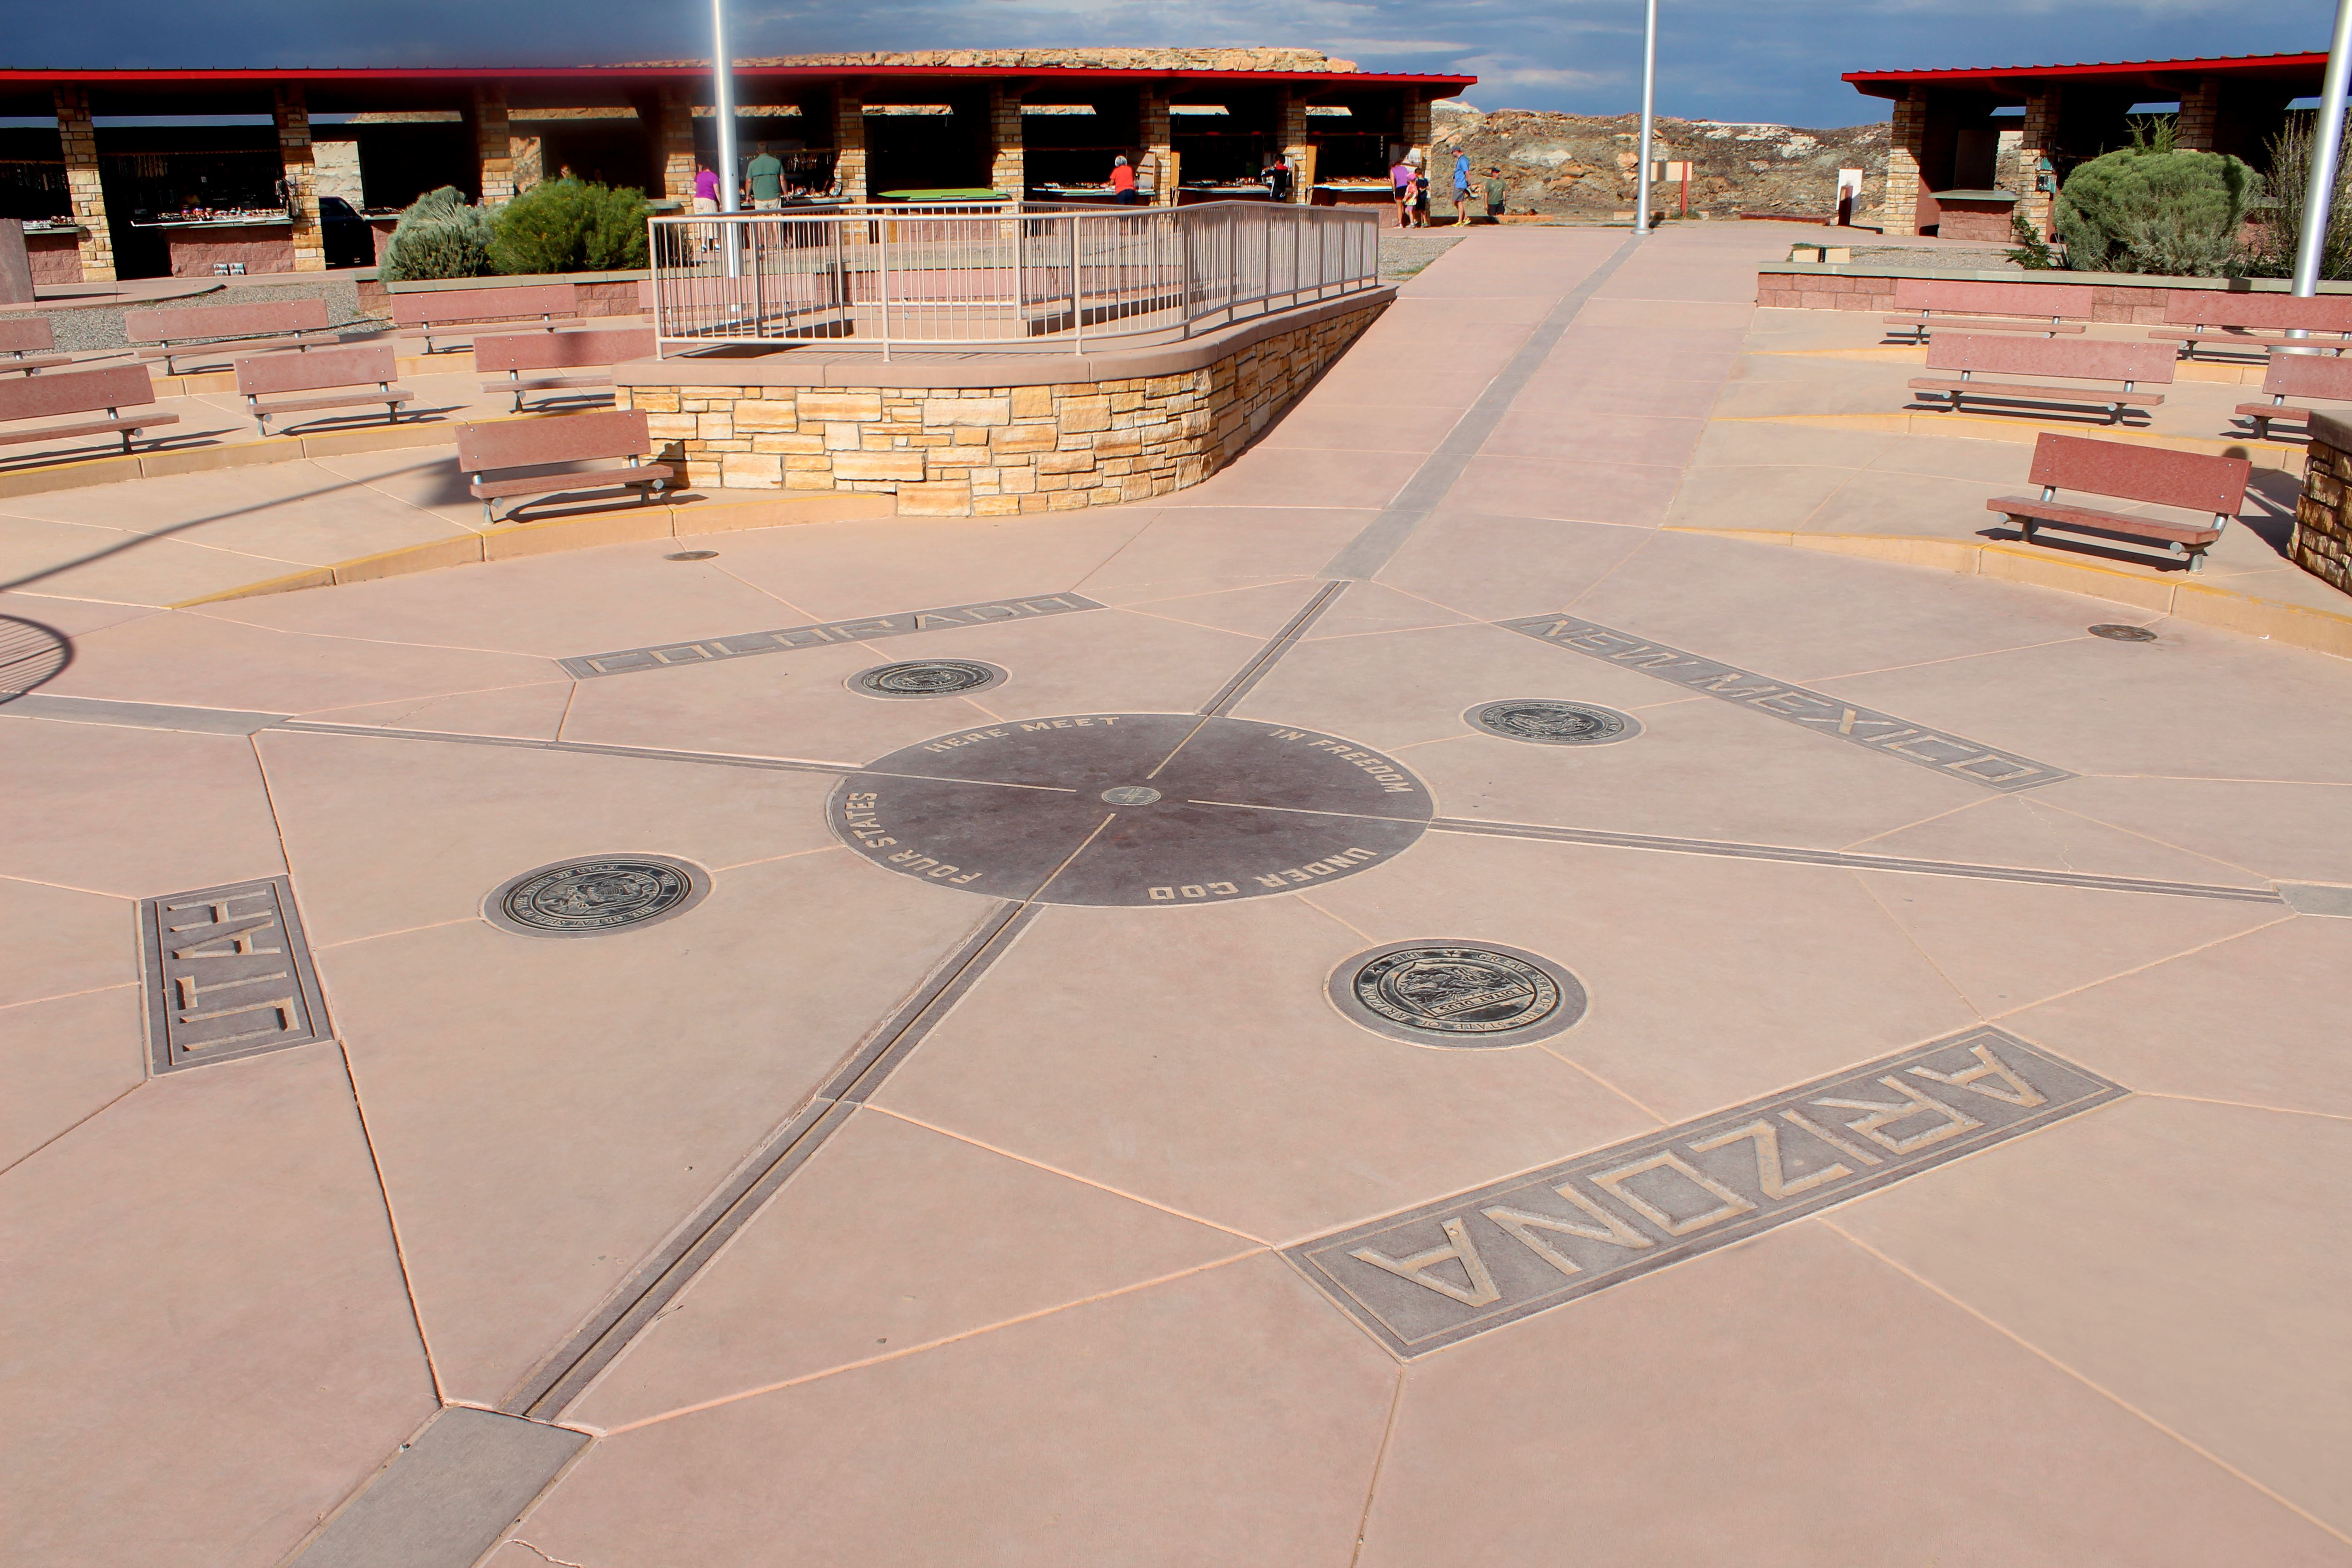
[(763, 181), (1400, 179), (1495, 192), (1277, 180), (1122, 182), (1461, 186), (1421, 198)]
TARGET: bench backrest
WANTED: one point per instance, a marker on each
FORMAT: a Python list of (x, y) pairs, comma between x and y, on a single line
[(347, 366), (1994, 299), (562, 438), (30, 334), (562, 350), (74, 392), (2276, 313), (224, 320), (2188, 479), (2081, 358), (2309, 376), (440, 307)]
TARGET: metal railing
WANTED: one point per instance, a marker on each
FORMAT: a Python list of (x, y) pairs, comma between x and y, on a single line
[(1001, 276)]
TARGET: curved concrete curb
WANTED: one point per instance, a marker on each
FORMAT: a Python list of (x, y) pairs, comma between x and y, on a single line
[(2321, 631), (619, 527)]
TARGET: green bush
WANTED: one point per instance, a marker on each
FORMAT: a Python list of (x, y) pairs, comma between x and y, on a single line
[(2147, 208), (566, 226), (439, 235)]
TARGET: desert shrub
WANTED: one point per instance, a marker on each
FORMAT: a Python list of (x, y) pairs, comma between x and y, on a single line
[(2031, 251), (567, 226), (2148, 208), (2278, 224), (439, 235)]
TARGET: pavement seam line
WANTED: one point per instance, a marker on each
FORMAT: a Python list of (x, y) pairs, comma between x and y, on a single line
[(67, 1131), (944, 1340), (1371, 550), (1912, 941), (1380, 1462), (2141, 968), (2083, 1378), (391, 1222), (1269, 654), (2243, 1105)]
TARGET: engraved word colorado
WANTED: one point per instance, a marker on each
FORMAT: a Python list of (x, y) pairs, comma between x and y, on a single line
[(1451, 1270), (1825, 715)]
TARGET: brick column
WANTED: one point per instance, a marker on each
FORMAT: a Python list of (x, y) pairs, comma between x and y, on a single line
[(2039, 138), (1416, 131), (849, 141), (292, 115), (79, 143), (1904, 146), (2201, 115), (1151, 121), (493, 145), (1290, 110), (674, 143), (1007, 168)]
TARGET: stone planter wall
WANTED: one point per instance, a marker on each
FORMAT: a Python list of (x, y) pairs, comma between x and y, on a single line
[(599, 293), (2321, 544), (993, 451)]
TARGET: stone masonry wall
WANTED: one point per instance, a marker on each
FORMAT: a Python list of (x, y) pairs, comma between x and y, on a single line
[(993, 451), (2321, 544)]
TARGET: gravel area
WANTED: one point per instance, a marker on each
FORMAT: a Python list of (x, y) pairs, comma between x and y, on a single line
[(1947, 258), (101, 327), (1405, 251)]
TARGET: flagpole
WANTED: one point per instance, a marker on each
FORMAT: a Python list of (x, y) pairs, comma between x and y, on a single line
[(2326, 149), (1649, 105)]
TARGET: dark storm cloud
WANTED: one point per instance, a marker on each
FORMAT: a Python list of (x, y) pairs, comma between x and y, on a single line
[(1732, 59)]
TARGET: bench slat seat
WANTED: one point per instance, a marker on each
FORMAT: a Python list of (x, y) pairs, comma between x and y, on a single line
[(28, 364), (442, 311), (1928, 304), (109, 392), (513, 458), (335, 374), (2026, 392), (26, 344), (226, 347), (1922, 328), (519, 385), (2151, 474), (2298, 375), (2242, 339), (1980, 360), (538, 362), (222, 330), (2220, 319)]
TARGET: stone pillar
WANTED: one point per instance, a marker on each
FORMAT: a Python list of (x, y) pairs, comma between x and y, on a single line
[(1151, 122), (493, 145), (1416, 132), (849, 141), (1903, 145), (79, 143), (1296, 151), (1007, 169), (2201, 115), (2322, 541), (292, 115), (673, 121), (2036, 142)]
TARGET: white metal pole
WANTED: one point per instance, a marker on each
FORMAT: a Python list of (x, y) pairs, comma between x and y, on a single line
[(2326, 146), (1649, 106), (722, 107)]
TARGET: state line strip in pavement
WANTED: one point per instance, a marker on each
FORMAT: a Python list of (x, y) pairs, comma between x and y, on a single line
[(1992, 767), (1282, 642), (1362, 557)]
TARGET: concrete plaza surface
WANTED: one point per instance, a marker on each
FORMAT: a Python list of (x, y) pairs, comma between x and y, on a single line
[(1910, 1124)]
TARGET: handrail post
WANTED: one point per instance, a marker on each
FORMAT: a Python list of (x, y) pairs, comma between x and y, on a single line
[(882, 286), (1077, 294)]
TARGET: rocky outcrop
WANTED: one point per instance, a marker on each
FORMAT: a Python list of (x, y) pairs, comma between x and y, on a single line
[(1581, 166), (1250, 59)]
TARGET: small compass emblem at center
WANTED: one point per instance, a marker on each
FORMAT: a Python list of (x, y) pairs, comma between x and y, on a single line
[(1131, 795)]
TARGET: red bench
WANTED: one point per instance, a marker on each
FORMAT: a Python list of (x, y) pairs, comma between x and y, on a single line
[(334, 371), (1923, 304), (2252, 324), (80, 392), (2150, 475), (514, 458), (547, 354), (2071, 360), (22, 341), (2298, 375), (445, 311), (221, 331)]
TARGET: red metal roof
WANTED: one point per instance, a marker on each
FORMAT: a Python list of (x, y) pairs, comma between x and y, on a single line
[(690, 73), (2153, 73)]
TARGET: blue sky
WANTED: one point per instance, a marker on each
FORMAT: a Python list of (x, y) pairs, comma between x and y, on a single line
[(1731, 59)]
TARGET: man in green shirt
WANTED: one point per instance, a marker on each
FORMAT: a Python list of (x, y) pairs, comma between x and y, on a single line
[(763, 181), (1496, 193)]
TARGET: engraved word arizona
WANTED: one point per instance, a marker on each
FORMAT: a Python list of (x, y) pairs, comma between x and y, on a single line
[(1451, 1270)]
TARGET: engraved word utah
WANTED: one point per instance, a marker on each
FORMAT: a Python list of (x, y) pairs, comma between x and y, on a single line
[(1451, 1270), (227, 973)]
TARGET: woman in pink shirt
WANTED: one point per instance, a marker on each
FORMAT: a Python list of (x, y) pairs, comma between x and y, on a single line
[(1401, 181)]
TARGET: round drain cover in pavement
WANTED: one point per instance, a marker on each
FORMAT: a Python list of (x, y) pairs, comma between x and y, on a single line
[(2115, 633), (926, 678), (693, 555), (1457, 993), (1131, 808), (589, 898), (1547, 723)]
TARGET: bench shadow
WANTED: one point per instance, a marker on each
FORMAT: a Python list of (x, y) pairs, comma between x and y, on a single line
[(2132, 419), (32, 654), (2097, 544), (34, 462), (596, 496)]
